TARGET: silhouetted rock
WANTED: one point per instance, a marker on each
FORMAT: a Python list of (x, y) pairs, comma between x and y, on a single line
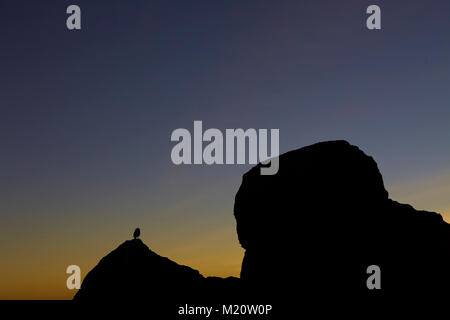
[(325, 217), (134, 272), (311, 230)]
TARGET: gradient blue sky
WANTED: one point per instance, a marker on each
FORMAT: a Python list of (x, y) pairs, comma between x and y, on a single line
[(86, 117)]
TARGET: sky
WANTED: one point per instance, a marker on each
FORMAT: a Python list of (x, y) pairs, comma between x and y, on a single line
[(86, 118)]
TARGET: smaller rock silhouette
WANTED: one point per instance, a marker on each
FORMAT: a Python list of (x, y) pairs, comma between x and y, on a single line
[(137, 233)]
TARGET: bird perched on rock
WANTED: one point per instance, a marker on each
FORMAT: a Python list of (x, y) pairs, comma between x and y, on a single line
[(137, 233)]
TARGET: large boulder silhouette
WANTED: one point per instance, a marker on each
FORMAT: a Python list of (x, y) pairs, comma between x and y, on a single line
[(325, 217), (312, 229)]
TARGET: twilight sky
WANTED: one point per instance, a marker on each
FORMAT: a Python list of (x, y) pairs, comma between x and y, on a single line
[(86, 118)]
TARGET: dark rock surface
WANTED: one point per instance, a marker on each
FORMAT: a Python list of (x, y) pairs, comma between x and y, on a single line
[(326, 216), (309, 231), (132, 272)]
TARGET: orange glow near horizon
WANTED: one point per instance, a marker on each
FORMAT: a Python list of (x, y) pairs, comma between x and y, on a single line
[(35, 269), (34, 260)]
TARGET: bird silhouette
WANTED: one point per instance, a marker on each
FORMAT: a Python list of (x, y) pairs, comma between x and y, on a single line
[(137, 233)]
